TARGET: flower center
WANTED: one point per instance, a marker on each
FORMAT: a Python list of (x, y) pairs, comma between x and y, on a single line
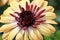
[(27, 18)]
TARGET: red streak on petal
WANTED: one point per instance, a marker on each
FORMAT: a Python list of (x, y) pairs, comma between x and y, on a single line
[(31, 7), (34, 7), (13, 16), (22, 9), (27, 7), (17, 19), (37, 10), (17, 13), (34, 26), (38, 22), (19, 24), (39, 17), (38, 14), (24, 28)]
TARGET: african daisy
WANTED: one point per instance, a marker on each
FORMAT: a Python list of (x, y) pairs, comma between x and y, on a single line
[(27, 21)]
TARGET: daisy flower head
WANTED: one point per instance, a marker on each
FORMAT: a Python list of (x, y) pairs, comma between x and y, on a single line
[(27, 21)]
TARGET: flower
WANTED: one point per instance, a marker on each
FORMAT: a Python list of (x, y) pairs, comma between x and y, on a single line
[(27, 21), (3, 2)]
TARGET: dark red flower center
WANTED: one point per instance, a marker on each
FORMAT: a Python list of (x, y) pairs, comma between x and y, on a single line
[(27, 18)]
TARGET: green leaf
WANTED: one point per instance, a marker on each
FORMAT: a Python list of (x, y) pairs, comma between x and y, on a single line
[(47, 38), (58, 35), (0, 37)]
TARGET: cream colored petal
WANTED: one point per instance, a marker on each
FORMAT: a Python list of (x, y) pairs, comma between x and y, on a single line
[(5, 35), (13, 0), (26, 36), (50, 22), (38, 34), (49, 9), (20, 35), (50, 27), (50, 15), (8, 27), (7, 19), (5, 39), (26, 1), (44, 4), (45, 31), (15, 6), (32, 35), (7, 12), (13, 33), (23, 3), (38, 2)]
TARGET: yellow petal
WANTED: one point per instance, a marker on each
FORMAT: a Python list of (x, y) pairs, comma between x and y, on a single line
[(50, 27), (50, 15), (13, 33), (50, 22), (13, 0), (7, 19), (32, 35), (5, 38), (15, 6), (5, 35), (44, 4), (49, 9), (8, 11), (38, 2), (22, 38), (45, 31), (26, 36), (23, 3), (20, 35), (8, 27), (38, 34)]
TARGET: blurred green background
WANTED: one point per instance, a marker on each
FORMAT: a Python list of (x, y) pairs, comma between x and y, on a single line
[(56, 5)]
